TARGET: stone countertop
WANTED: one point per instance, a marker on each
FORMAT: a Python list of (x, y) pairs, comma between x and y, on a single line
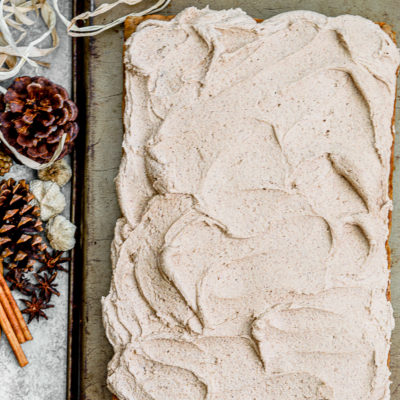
[(45, 377)]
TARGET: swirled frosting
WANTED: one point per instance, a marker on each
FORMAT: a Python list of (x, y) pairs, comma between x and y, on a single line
[(250, 260)]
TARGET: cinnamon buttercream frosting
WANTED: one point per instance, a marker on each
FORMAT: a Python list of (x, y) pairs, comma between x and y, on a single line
[(250, 261)]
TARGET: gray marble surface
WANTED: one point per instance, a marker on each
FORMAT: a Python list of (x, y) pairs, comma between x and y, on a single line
[(44, 378)]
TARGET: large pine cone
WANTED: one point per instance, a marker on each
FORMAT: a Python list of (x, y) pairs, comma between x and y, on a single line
[(34, 115), (20, 226)]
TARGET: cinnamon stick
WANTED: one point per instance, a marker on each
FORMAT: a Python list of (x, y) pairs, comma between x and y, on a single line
[(11, 316), (15, 308), (15, 345)]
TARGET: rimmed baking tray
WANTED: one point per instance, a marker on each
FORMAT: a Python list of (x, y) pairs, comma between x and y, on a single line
[(78, 93), (99, 62)]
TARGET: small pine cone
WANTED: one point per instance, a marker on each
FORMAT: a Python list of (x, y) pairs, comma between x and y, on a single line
[(20, 226), (5, 163), (34, 116)]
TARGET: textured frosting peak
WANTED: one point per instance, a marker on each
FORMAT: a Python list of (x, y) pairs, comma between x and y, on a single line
[(250, 262)]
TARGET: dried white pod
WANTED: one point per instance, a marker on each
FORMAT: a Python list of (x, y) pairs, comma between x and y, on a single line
[(60, 172), (61, 233), (49, 197)]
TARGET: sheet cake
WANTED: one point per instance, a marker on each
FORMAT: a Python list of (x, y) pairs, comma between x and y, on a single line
[(250, 262)]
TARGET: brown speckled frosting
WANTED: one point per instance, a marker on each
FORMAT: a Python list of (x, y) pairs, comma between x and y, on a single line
[(250, 260)]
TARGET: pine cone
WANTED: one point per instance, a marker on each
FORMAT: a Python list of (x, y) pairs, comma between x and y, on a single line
[(20, 225), (5, 163), (34, 116)]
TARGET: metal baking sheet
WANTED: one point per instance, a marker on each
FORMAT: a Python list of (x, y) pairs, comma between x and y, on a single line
[(103, 84)]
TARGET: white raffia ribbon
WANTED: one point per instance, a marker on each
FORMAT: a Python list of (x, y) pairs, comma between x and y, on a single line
[(29, 162), (93, 30), (24, 53), (15, 56)]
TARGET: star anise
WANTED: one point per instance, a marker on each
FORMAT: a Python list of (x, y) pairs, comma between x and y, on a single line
[(34, 308), (19, 282), (52, 262), (46, 286)]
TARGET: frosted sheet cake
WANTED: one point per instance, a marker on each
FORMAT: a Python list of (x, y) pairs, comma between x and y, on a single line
[(250, 261)]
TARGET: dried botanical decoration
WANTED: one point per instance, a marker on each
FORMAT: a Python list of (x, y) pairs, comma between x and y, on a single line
[(52, 262), (40, 294), (5, 163), (60, 172), (61, 233), (22, 247), (19, 282), (37, 121), (46, 285), (49, 198), (34, 308), (20, 227)]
